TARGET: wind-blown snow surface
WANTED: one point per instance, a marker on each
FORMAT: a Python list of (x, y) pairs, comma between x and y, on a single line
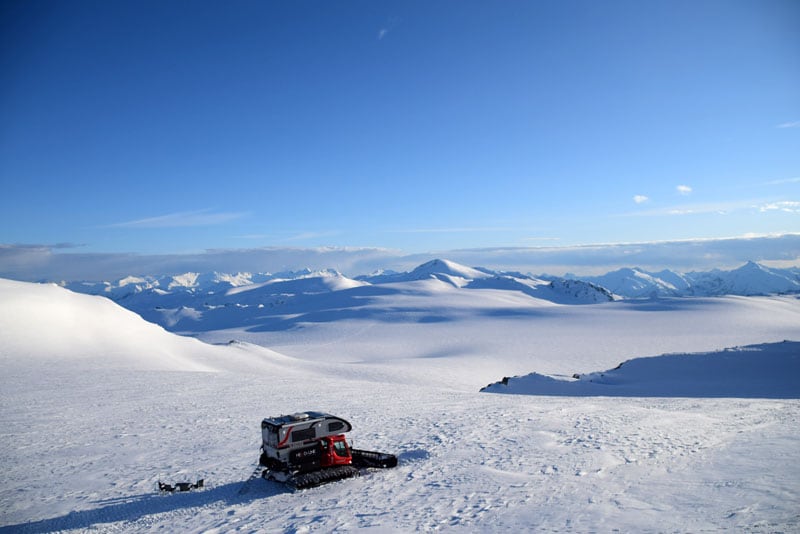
[(83, 444)]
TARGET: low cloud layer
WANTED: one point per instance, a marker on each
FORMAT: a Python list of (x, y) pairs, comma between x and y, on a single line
[(682, 256), (58, 262), (45, 263)]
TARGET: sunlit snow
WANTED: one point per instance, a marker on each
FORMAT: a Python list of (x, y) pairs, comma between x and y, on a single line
[(97, 405)]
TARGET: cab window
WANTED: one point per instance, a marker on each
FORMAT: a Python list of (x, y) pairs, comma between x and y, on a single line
[(340, 447)]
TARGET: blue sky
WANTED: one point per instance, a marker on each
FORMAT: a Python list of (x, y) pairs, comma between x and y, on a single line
[(174, 127)]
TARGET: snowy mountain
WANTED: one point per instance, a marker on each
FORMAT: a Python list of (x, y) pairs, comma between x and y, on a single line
[(188, 294), (195, 302), (190, 282), (97, 406), (750, 279), (444, 270), (636, 283)]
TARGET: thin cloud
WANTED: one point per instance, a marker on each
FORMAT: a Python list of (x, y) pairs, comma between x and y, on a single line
[(303, 236), (684, 190), (720, 208), (451, 230), (683, 211), (640, 199), (390, 26), (788, 206), (785, 181), (537, 239), (42, 246), (289, 236), (253, 236), (790, 124), (182, 219)]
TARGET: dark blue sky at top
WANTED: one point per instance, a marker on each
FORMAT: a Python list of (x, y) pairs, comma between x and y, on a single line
[(169, 126)]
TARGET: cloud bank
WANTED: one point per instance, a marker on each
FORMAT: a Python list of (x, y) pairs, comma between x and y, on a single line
[(45, 263), (56, 262)]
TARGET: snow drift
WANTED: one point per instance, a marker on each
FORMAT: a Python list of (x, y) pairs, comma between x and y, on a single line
[(42, 324), (47, 322), (768, 370)]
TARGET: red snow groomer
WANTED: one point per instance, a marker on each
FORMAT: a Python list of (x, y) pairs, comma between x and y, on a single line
[(308, 449)]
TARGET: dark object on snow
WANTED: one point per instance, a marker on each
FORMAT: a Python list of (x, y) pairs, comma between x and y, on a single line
[(180, 486), (309, 449), (380, 460)]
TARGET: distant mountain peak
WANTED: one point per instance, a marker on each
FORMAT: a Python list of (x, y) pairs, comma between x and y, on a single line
[(450, 268), (751, 266)]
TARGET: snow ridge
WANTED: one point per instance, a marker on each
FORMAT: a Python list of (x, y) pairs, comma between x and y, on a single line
[(766, 370)]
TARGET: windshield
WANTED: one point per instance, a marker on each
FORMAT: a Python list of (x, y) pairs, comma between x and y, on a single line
[(340, 448)]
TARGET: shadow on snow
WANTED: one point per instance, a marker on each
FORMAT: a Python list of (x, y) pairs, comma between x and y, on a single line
[(138, 506)]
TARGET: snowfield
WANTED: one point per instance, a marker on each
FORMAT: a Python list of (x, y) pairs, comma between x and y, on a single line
[(97, 406)]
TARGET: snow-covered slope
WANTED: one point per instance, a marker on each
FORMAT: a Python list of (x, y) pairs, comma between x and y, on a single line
[(558, 291), (46, 325), (312, 283), (768, 370), (83, 445), (636, 283), (46, 322)]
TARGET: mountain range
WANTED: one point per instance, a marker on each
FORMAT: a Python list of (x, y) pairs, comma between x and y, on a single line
[(748, 280), (193, 302)]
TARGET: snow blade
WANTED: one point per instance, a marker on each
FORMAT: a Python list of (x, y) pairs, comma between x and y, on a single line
[(382, 460), (317, 478)]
